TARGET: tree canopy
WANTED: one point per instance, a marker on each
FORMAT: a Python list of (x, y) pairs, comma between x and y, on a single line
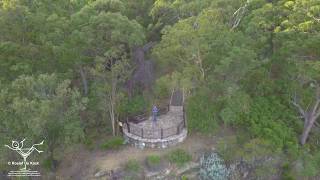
[(74, 69)]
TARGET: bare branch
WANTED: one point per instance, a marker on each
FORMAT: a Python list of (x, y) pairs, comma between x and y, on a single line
[(295, 103), (238, 15), (317, 115), (316, 107)]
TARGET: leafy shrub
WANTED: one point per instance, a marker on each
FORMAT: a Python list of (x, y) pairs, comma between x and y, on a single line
[(213, 167), (257, 154), (271, 120), (307, 164), (200, 114), (179, 157), (161, 88), (136, 105), (286, 172), (228, 147), (153, 160), (47, 163), (132, 166), (184, 177), (88, 142), (113, 143), (236, 104)]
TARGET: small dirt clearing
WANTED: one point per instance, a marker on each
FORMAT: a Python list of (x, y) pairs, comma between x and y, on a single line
[(83, 164)]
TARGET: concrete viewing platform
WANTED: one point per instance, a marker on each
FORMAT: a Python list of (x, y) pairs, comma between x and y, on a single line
[(169, 129)]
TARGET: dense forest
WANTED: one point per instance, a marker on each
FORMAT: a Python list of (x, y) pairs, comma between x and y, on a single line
[(71, 70)]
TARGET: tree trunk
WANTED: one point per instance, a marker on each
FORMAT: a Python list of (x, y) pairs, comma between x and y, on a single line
[(306, 131), (111, 113), (84, 81), (202, 71), (309, 116), (113, 124), (112, 102)]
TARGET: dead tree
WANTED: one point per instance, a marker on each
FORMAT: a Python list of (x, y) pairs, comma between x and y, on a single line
[(238, 15), (309, 115)]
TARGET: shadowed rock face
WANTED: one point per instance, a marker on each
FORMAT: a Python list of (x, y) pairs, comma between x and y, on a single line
[(143, 75)]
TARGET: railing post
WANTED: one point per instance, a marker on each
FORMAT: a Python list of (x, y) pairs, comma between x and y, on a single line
[(184, 118), (142, 132), (128, 125), (178, 129), (161, 133)]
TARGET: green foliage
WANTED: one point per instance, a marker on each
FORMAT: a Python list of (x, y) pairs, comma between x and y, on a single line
[(201, 114), (88, 142), (179, 157), (113, 143), (48, 164), (134, 106), (162, 88), (256, 153), (306, 164), (243, 76), (286, 174), (184, 177), (228, 148), (235, 105), (42, 107), (270, 119), (132, 166), (153, 160)]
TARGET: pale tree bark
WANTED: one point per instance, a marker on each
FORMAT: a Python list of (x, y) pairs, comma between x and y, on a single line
[(309, 115), (200, 63), (238, 15), (84, 80), (112, 114), (112, 102)]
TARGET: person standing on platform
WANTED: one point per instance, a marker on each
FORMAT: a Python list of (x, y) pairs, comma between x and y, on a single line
[(154, 114)]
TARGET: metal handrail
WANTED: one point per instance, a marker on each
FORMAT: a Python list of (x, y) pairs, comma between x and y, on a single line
[(157, 133), (143, 117)]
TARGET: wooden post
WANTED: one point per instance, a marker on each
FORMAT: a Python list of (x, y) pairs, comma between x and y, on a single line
[(171, 96), (185, 121), (128, 125), (142, 132), (161, 133)]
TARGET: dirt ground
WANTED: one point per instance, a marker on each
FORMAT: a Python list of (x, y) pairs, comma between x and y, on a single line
[(83, 164)]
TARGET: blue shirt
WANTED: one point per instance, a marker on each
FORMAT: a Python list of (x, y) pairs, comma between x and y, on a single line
[(154, 109)]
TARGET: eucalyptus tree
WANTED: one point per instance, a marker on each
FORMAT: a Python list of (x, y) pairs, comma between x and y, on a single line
[(102, 43), (212, 54), (42, 108), (110, 73), (300, 37)]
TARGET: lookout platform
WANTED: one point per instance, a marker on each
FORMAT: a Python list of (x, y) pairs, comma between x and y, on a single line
[(169, 129)]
